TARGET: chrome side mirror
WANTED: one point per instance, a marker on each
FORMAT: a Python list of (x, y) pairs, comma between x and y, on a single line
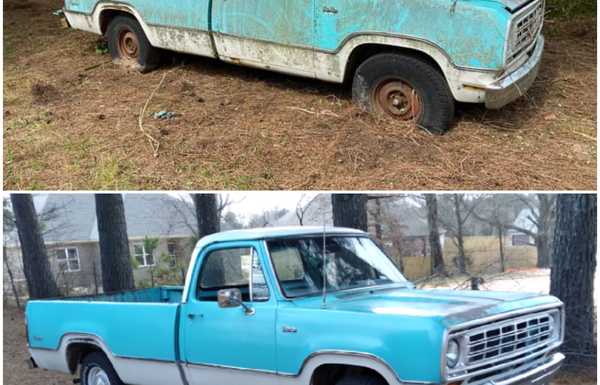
[(228, 298)]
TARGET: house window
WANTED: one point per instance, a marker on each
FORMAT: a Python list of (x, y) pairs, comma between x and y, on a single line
[(520, 240), (143, 258), (172, 251), (68, 259)]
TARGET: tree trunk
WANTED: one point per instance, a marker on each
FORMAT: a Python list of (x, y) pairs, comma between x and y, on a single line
[(117, 273), (95, 273), (11, 279), (462, 265), (501, 248), (573, 271), (545, 221), (378, 220), (207, 214), (543, 250), (437, 257), (36, 266), (350, 210)]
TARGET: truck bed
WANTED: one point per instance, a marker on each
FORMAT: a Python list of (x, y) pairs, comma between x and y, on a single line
[(132, 324), (168, 294)]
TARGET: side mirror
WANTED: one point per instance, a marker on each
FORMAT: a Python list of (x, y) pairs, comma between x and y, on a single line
[(229, 298), (233, 298)]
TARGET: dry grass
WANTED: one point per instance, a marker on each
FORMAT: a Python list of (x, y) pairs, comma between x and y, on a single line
[(71, 127)]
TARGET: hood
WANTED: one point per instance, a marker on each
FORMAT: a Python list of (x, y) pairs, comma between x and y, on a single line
[(453, 306), (513, 5)]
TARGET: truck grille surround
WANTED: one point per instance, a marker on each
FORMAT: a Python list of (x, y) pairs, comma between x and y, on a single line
[(525, 28), (490, 351)]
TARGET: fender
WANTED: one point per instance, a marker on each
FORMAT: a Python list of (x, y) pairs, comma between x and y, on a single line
[(334, 65), (131, 370), (185, 40), (324, 357)]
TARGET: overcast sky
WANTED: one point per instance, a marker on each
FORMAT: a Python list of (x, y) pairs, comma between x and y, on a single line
[(246, 204)]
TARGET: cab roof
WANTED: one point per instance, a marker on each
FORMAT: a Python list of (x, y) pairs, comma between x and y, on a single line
[(276, 232)]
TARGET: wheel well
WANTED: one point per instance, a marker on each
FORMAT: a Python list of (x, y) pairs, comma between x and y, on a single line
[(107, 15), (329, 374), (365, 51), (77, 351)]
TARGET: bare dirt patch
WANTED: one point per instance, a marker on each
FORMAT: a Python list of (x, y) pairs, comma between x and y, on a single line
[(239, 128)]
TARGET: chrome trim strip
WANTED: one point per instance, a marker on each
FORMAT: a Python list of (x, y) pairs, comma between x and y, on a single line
[(544, 371), (219, 366), (501, 316)]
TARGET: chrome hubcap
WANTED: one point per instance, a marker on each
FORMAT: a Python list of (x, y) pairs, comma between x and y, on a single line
[(97, 376)]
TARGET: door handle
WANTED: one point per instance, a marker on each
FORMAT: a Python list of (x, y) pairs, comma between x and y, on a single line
[(289, 329), (193, 316), (331, 10)]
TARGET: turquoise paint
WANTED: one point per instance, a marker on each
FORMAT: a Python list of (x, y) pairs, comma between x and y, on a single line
[(228, 336), (402, 326), (287, 22), (192, 14), (137, 330), (472, 33)]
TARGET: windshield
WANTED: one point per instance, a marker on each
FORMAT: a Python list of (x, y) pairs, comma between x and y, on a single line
[(352, 262)]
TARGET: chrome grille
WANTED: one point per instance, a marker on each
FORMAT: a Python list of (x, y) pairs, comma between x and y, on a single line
[(509, 337), (525, 29), (490, 349)]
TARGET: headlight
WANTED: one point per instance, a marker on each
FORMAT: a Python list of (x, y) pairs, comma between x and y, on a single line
[(452, 354)]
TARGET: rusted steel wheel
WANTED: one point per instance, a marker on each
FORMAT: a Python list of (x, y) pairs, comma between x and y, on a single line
[(407, 88), (397, 99), (128, 44)]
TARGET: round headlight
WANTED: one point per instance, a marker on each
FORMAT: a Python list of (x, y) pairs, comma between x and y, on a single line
[(452, 354)]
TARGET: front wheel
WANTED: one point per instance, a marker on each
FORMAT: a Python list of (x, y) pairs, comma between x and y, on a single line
[(97, 370), (128, 44), (405, 88), (358, 379)]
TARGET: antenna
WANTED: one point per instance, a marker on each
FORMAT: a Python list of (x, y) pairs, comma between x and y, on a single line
[(324, 304)]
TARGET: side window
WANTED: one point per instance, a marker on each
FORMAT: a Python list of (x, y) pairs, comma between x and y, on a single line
[(231, 268), (288, 263)]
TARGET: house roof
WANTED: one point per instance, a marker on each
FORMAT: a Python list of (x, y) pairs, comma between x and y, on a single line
[(524, 222), (74, 216)]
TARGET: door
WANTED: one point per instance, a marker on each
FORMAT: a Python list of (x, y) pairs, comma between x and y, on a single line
[(337, 20), (274, 34), (215, 338), (178, 25)]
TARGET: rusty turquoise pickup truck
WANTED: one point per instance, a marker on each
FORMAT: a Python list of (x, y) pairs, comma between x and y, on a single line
[(408, 59), (291, 306)]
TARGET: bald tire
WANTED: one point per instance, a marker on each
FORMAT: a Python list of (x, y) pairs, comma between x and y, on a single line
[(428, 82)]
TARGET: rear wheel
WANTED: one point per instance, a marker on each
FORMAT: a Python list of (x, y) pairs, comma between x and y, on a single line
[(96, 369), (128, 44), (405, 88)]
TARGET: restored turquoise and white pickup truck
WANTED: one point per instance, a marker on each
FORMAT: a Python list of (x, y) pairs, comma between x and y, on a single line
[(294, 306), (410, 59)]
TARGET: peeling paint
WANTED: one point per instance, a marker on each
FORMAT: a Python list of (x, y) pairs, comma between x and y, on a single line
[(315, 38)]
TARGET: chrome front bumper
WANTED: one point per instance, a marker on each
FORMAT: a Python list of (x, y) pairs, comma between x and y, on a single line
[(540, 375), (515, 85)]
